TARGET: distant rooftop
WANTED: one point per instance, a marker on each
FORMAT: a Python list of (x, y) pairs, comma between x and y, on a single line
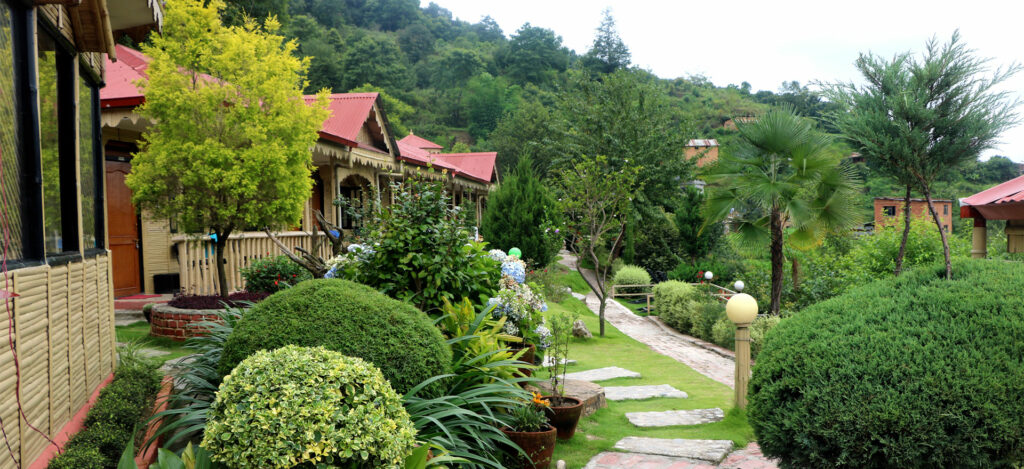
[(702, 142)]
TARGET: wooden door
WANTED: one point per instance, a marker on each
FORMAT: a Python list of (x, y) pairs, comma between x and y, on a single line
[(123, 229)]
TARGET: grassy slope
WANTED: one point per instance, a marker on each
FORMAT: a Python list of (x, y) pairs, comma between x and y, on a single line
[(139, 332), (600, 431)]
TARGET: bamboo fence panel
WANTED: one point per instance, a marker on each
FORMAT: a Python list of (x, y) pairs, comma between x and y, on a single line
[(8, 407), (76, 336), (60, 377), (31, 320), (64, 337), (197, 257)]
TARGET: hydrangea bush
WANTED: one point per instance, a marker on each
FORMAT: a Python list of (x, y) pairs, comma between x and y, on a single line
[(308, 406), (520, 303)]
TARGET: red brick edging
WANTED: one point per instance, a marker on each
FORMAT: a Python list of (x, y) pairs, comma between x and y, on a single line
[(148, 454), (177, 323)]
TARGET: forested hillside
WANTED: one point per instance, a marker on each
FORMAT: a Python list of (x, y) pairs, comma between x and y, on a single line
[(524, 94)]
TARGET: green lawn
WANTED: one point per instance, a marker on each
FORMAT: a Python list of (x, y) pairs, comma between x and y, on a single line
[(601, 430), (139, 332)]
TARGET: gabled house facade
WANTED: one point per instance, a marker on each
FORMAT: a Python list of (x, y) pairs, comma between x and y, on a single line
[(55, 278), (355, 157)]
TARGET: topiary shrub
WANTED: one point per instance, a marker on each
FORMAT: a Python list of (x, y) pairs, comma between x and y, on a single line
[(270, 274), (631, 275), (304, 406), (914, 371), (347, 317), (675, 301)]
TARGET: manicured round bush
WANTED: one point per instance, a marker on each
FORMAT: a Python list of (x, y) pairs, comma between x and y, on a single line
[(631, 275), (298, 405), (350, 318), (914, 371)]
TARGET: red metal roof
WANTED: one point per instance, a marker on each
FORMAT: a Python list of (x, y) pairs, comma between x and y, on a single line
[(1002, 202), (702, 142), (476, 166), (419, 142), (121, 76), (349, 112)]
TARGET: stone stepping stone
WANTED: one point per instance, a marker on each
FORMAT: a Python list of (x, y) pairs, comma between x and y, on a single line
[(601, 374), (613, 460), (548, 361), (670, 418), (704, 450), (625, 393)]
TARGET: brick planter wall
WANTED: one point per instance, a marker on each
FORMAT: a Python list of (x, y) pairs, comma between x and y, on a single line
[(175, 323)]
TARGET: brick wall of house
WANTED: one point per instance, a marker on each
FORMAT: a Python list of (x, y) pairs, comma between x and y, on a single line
[(889, 210)]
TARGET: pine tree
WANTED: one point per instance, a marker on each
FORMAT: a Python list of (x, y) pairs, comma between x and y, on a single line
[(608, 53), (522, 214)]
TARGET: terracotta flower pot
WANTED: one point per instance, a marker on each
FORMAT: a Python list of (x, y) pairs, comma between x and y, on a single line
[(538, 446), (528, 357), (564, 415)]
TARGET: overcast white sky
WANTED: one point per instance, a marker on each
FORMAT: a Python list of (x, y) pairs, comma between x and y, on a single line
[(765, 43)]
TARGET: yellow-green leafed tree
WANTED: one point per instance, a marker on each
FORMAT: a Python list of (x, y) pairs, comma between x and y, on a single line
[(231, 144)]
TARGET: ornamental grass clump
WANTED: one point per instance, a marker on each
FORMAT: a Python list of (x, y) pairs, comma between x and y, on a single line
[(308, 406), (914, 371)]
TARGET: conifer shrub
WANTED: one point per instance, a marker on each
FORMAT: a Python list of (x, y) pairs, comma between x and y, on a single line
[(346, 317), (913, 371), (299, 407), (521, 213)]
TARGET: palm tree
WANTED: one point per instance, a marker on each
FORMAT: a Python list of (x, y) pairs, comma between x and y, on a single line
[(781, 181)]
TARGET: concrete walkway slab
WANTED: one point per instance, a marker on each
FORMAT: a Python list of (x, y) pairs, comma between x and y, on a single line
[(669, 418), (625, 393), (601, 374), (711, 451), (611, 460)]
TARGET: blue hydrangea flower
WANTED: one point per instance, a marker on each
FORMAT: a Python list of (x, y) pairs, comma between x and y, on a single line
[(515, 269), (332, 273)]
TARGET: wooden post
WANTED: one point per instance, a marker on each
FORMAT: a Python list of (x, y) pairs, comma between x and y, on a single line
[(742, 364), (979, 239)]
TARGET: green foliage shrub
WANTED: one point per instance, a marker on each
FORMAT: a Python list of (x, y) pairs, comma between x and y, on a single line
[(655, 244), (725, 272), (303, 406), (914, 371), (110, 424), (723, 333), (704, 318), (631, 275), (346, 317), (270, 274), (522, 213), (675, 301), (420, 250)]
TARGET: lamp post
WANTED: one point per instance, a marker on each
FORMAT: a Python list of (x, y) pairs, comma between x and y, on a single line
[(742, 310)]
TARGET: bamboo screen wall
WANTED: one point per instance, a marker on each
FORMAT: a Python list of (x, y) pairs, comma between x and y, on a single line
[(64, 337)]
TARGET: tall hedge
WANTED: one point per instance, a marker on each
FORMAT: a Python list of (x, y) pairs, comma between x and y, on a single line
[(914, 371), (345, 317), (521, 213)]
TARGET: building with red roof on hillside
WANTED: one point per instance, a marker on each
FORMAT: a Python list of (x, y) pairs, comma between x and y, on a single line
[(356, 157)]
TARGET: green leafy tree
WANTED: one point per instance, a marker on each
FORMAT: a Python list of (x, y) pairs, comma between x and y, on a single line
[(927, 116), (696, 239), (781, 171), (596, 200), (323, 45), (608, 53), (229, 148), (377, 60), (526, 133), (628, 118), (236, 11), (534, 55), (486, 99), (416, 41), (522, 213)]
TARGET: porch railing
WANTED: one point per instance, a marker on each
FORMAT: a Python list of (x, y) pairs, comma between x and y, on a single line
[(197, 257)]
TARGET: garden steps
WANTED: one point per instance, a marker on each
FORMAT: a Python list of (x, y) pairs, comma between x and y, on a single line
[(602, 374), (625, 393), (669, 418)]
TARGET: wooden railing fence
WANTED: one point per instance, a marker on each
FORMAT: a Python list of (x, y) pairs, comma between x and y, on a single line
[(197, 257), (720, 292)]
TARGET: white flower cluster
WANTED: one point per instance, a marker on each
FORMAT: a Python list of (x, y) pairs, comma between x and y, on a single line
[(357, 254), (497, 254)]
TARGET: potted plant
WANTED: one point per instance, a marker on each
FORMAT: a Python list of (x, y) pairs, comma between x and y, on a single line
[(565, 410), (529, 430)]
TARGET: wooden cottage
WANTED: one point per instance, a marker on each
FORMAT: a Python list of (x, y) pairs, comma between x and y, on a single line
[(56, 269), (355, 157), (1002, 202)]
